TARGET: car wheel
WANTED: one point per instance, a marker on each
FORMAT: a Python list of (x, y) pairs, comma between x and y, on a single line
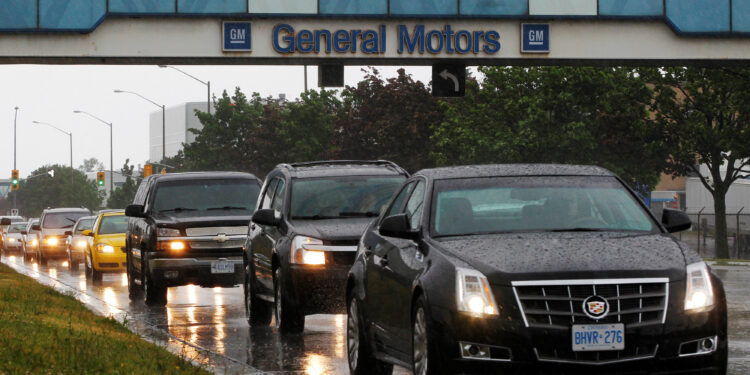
[(87, 268), (288, 319), (156, 295), (257, 311), (42, 259), (424, 357), (361, 359), (72, 265), (96, 275), (134, 290)]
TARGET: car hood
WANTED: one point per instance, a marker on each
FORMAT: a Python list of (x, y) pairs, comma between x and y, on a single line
[(116, 239), (13, 235), (545, 256), (192, 219), (333, 229), (54, 232)]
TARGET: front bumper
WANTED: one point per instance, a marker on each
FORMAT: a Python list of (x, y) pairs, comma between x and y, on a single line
[(183, 271), (56, 252), (13, 246), (108, 262), (318, 289)]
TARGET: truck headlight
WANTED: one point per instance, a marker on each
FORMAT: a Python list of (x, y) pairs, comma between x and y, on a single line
[(473, 293), (104, 248), (700, 293), (302, 254), (167, 232)]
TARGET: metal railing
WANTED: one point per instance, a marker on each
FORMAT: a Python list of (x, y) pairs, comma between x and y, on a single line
[(702, 236)]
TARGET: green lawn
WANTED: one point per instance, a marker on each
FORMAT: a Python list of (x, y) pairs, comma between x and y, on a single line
[(45, 332)]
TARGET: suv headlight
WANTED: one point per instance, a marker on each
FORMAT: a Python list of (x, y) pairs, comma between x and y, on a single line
[(167, 232), (473, 293), (302, 254), (700, 293), (104, 248)]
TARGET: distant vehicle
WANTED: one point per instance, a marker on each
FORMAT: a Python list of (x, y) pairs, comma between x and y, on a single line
[(578, 278), (105, 252), (12, 238), (304, 236), (188, 228), (5, 221), (54, 227), (78, 242), (30, 240)]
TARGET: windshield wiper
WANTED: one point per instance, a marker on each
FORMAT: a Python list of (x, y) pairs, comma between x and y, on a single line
[(359, 214), (314, 217), (227, 208), (178, 209), (580, 229)]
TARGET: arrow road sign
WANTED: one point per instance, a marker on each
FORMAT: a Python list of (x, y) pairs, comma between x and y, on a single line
[(448, 80)]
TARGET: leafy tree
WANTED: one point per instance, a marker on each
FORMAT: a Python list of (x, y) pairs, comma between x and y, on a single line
[(388, 119), (91, 165), (123, 196), (705, 112), (575, 115), (308, 126), (68, 188)]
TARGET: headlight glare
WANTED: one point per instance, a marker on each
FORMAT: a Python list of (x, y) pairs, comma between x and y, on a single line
[(11, 239), (52, 241), (699, 294), (81, 244), (473, 293), (302, 254), (104, 248)]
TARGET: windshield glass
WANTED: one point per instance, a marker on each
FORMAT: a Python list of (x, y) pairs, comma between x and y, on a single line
[(345, 196), (515, 204), (58, 220), (230, 195), (16, 228), (113, 224), (84, 224)]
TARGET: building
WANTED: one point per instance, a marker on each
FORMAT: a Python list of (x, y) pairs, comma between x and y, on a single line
[(179, 119)]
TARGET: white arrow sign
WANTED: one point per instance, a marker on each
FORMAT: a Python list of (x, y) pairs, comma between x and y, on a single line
[(445, 75)]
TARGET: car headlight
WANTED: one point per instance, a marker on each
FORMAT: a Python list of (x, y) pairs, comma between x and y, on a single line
[(51, 241), (104, 248), (700, 293), (167, 232), (81, 244), (34, 242), (473, 293), (11, 239), (302, 254)]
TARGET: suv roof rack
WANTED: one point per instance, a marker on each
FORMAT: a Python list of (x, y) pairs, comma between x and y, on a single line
[(344, 162)]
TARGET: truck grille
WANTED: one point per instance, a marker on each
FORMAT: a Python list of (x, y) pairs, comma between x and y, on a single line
[(559, 303), (212, 231)]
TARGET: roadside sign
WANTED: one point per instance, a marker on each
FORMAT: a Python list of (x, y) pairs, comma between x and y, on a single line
[(237, 36), (448, 80), (535, 38)]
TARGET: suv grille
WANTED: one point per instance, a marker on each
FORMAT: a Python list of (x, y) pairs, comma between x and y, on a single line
[(559, 303)]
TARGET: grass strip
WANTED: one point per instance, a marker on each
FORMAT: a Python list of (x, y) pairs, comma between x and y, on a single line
[(45, 332)]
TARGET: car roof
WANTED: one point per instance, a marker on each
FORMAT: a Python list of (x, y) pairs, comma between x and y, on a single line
[(329, 168), (501, 170), (67, 209), (202, 175), (112, 213)]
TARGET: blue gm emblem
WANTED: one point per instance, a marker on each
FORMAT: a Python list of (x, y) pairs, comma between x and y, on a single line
[(237, 36), (535, 38)]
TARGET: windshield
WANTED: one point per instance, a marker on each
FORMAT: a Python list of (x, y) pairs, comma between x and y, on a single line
[(516, 204), (17, 227), (230, 195), (59, 220), (84, 224), (346, 196), (113, 224)]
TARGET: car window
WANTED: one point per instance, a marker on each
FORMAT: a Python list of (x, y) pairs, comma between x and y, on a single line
[(59, 220), (227, 195), (415, 206), (16, 228), (268, 195), (278, 197), (399, 201), (113, 224), (84, 224), (341, 196)]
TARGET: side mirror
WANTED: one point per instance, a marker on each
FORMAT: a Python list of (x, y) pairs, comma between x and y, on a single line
[(5, 221), (134, 210), (675, 220), (267, 217), (68, 232), (36, 227), (398, 226), (86, 232)]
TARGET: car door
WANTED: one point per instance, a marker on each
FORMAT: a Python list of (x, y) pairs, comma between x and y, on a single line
[(136, 229), (261, 242), (378, 298)]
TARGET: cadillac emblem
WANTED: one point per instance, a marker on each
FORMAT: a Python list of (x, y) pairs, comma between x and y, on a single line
[(596, 307)]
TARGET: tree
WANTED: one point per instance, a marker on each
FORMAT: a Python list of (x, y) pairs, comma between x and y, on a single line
[(68, 188), (91, 165), (574, 115), (705, 113), (123, 196), (308, 126)]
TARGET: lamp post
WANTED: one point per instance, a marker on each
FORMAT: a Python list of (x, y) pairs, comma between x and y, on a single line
[(163, 120), (69, 134), (207, 83), (15, 119), (111, 162)]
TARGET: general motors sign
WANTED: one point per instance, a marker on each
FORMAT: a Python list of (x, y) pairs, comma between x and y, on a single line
[(535, 38), (237, 36)]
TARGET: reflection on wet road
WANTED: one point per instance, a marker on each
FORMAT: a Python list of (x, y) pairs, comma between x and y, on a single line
[(209, 326)]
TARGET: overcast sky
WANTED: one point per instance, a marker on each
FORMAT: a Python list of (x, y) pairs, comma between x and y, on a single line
[(50, 93)]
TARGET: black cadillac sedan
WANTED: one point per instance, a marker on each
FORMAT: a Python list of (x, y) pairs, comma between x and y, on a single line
[(530, 269)]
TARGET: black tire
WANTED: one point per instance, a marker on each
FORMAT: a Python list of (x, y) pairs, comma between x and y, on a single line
[(134, 290), (358, 354), (42, 259), (88, 268), (425, 356), (156, 295), (96, 275), (257, 311), (288, 318)]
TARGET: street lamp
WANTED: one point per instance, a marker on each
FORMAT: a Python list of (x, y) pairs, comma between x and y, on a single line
[(15, 118), (111, 166), (207, 83), (163, 120), (70, 134)]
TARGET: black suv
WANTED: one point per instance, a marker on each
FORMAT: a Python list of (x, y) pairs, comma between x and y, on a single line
[(304, 236), (188, 228), (531, 269)]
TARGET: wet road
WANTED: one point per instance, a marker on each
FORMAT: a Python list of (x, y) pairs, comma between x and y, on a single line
[(209, 326)]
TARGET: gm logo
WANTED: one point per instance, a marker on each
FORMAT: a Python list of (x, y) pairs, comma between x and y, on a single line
[(237, 36), (535, 38)]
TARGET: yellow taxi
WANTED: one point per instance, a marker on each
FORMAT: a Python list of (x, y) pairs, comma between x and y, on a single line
[(106, 250)]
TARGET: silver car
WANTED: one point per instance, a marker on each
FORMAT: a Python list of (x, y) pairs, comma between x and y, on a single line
[(12, 238)]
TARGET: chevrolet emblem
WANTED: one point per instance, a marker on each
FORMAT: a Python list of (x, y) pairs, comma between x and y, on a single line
[(221, 238)]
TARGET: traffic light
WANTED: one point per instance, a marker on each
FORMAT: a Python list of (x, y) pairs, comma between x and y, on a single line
[(100, 178), (148, 170), (14, 180)]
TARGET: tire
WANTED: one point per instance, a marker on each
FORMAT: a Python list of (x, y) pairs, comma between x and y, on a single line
[(134, 290), (72, 265), (87, 268), (257, 311), (425, 357), (156, 295), (42, 260), (288, 318), (359, 356), (96, 276)]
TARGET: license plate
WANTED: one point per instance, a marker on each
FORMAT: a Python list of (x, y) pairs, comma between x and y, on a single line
[(598, 337), (222, 266)]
